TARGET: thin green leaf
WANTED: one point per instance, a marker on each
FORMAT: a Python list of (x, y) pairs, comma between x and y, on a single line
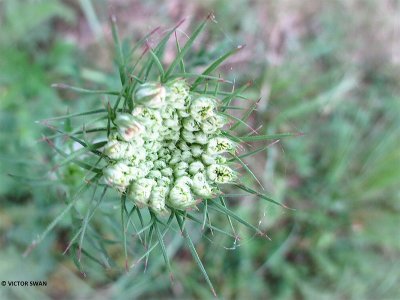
[(82, 90), (196, 257), (83, 187), (215, 65), (185, 49), (251, 191), (256, 138), (163, 249), (157, 62), (120, 56), (228, 212)]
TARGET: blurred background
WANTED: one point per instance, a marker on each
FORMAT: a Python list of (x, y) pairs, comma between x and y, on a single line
[(328, 69)]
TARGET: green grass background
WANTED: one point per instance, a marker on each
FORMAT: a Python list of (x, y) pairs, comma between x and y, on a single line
[(327, 69)]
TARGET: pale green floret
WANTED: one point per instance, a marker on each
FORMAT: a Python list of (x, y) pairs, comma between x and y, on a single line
[(186, 156), (135, 154), (178, 94), (117, 175), (157, 199), (147, 116), (183, 146), (220, 174), (154, 174), (164, 181), (186, 180), (128, 127), (140, 191), (188, 136), (152, 133), (201, 187), (208, 159), (115, 149), (175, 157), (171, 148), (202, 108), (180, 169), (180, 197), (220, 145), (196, 150), (167, 172), (196, 167), (201, 138), (190, 124), (150, 94), (220, 160), (160, 164)]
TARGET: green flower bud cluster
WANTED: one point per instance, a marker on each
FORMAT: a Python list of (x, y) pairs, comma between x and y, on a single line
[(169, 150)]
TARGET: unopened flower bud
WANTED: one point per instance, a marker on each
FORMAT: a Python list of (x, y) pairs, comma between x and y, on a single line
[(200, 186), (140, 191), (115, 149), (157, 199), (196, 167), (181, 197), (196, 150), (128, 127), (117, 175), (150, 94)]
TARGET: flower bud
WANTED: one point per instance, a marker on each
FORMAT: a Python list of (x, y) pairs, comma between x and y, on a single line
[(167, 172), (165, 180), (188, 136), (196, 150), (208, 159), (180, 197), (201, 138), (146, 116), (183, 146), (190, 124), (184, 180), (176, 157), (213, 124), (180, 169), (202, 108), (150, 94), (220, 174), (186, 156), (196, 167), (154, 174), (220, 145), (157, 199), (178, 94), (140, 191), (115, 149), (201, 187), (128, 127), (160, 164), (117, 175)]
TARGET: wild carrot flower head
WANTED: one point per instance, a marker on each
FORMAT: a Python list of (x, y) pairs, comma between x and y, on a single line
[(166, 144)]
